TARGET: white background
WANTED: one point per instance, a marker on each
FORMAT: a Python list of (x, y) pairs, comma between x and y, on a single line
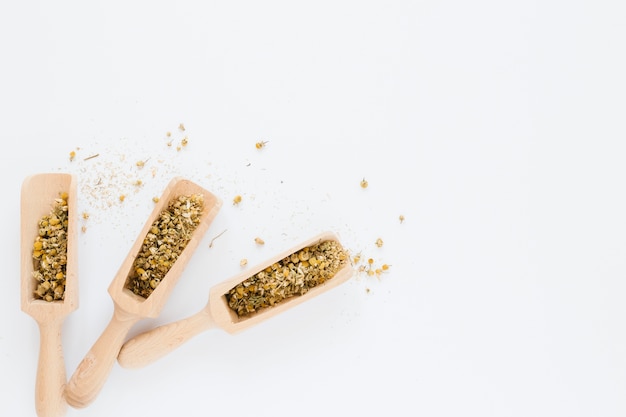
[(495, 127)]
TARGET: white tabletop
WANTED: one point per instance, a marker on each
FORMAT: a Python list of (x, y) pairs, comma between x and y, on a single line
[(495, 128)]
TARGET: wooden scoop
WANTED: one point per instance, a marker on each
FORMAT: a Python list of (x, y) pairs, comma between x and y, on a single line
[(90, 375), (152, 345), (37, 200)]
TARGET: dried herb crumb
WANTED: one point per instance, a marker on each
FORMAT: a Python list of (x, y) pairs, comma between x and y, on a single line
[(216, 237), (50, 252), (165, 241), (294, 275), (368, 266)]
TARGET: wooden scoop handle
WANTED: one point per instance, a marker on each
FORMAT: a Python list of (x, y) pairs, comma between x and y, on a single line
[(91, 374), (156, 343), (49, 401)]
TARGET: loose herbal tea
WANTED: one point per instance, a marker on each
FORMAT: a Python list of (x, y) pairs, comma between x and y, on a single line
[(164, 242), (294, 275), (50, 252)]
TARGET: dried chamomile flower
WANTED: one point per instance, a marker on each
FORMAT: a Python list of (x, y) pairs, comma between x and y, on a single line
[(155, 199), (184, 141), (369, 266), (401, 218), (294, 275), (237, 200), (165, 241), (181, 127), (50, 252), (261, 145), (72, 155), (379, 242), (243, 262), (122, 198), (259, 241), (364, 183)]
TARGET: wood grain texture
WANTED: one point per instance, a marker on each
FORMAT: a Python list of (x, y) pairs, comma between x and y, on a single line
[(37, 198), (152, 345), (91, 374), (156, 343)]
